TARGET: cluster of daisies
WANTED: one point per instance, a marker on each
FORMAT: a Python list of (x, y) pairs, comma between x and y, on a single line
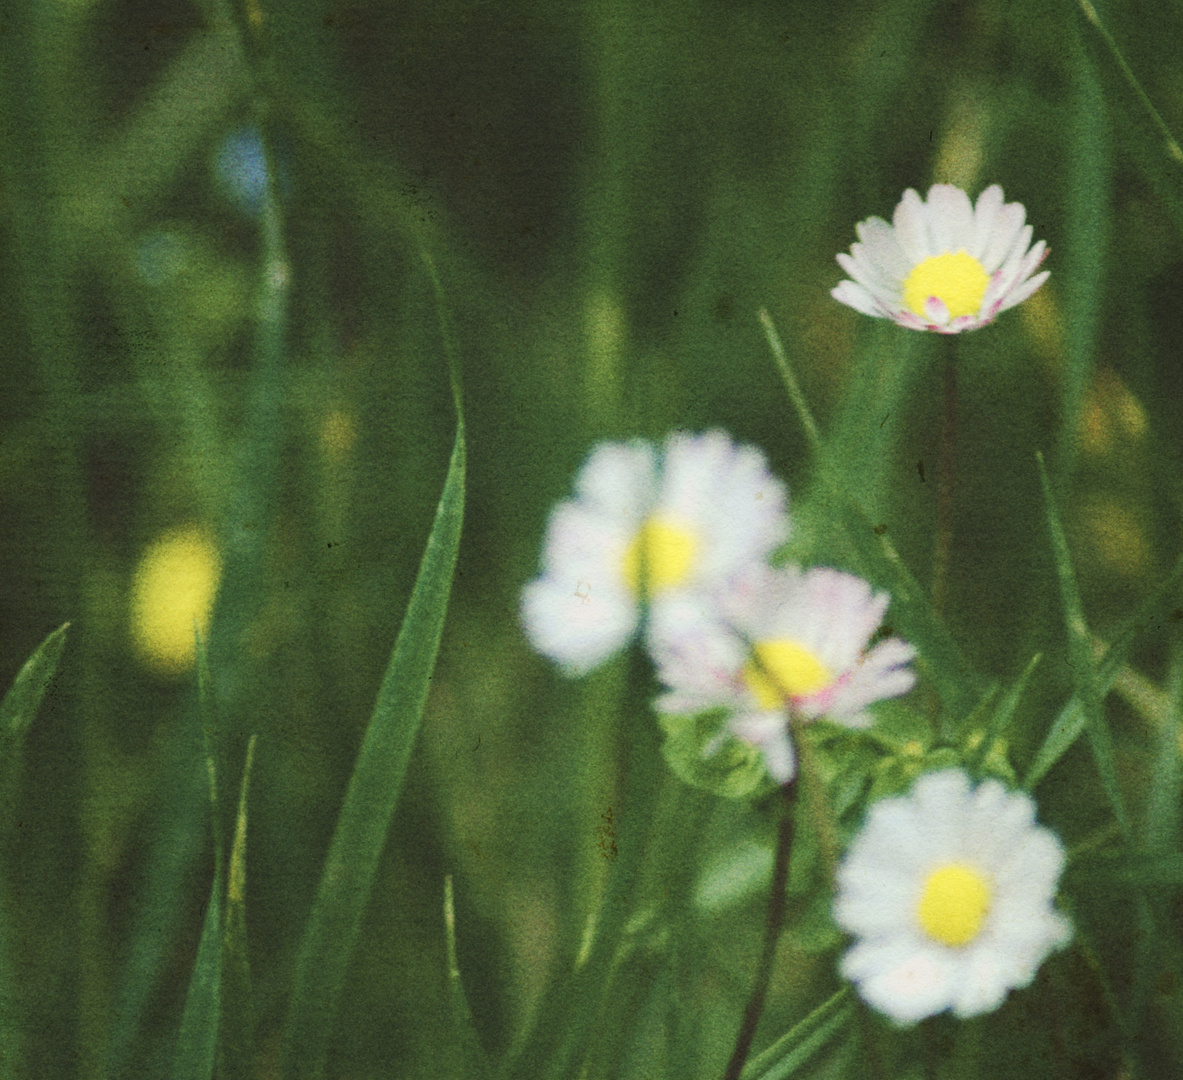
[(947, 889)]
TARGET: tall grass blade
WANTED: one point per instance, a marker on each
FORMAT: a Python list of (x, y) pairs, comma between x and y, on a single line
[(800, 1043), (1088, 686), (474, 1065), (373, 791), (23, 699)]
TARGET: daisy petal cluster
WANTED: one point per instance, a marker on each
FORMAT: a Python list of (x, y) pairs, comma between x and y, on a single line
[(943, 263), (948, 891), (648, 527), (792, 643)]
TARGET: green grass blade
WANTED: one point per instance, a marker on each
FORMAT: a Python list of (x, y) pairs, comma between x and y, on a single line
[(474, 1065), (1071, 720), (1137, 870), (197, 1041), (23, 699), (912, 612), (373, 791), (236, 1051), (801, 1042), (1085, 246), (1088, 687), (17, 711)]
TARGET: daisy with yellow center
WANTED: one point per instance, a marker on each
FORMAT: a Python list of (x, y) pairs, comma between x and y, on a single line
[(790, 643), (948, 891), (943, 263), (648, 527)]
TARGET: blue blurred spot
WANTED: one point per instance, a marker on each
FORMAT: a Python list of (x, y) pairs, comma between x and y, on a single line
[(241, 169)]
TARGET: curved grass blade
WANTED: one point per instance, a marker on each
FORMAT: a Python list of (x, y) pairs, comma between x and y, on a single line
[(474, 1065), (236, 1048), (17, 711), (955, 681), (197, 1041), (800, 1043), (23, 699), (373, 791), (1088, 688)]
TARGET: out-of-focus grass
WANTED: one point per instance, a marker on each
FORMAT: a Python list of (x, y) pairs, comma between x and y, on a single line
[(612, 194)]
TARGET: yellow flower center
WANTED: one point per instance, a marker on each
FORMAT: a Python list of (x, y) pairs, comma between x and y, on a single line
[(954, 903), (955, 277), (661, 555), (784, 669)]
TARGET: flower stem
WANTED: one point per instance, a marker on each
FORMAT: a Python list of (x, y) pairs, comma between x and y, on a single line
[(776, 919), (946, 473)]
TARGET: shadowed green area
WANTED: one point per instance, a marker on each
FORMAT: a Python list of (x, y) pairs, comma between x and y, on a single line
[(227, 232)]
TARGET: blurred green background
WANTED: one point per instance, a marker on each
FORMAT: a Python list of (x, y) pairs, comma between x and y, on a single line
[(611, 191)]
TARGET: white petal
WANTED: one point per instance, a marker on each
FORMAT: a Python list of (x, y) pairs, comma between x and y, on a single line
[(911, 228), (985, 216), (619, 479), (951, 217), (577, 631), (882, 249), (919, 984), (1028, 288), (1008, 224)]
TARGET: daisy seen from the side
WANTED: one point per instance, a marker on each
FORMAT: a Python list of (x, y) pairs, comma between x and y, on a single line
[(943, 263), (948, 891), (646, 528), (793, 646)]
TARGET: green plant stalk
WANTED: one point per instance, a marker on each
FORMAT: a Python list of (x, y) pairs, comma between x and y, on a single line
[(946, 484), (772, 929)]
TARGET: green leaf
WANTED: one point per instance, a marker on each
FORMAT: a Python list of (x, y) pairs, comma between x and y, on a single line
[(373, 791), (1088, 687), (703, 755), (23, 699), (800, 1043), (474, 1065)]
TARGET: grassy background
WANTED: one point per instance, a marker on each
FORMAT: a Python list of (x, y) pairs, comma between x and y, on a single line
[(611, 192)]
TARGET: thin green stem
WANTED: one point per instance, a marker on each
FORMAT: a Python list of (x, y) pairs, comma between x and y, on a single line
[(773, 927), (946, 478)]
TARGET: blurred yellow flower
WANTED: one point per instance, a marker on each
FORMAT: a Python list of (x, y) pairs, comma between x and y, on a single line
[(174, 588)]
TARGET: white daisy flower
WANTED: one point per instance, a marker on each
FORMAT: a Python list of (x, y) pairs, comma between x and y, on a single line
[(794, 644), (943, 264), (648, 529), (948, 892)]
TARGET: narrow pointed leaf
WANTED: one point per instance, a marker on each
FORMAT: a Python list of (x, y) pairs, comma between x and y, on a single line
[(473, 1062), (1088, 686), (197, 1042), (800, 1043), (373, 792), (236, 1049), (23, 699)]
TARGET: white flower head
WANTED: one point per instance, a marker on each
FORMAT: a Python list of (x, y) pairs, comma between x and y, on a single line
[(943, 264), (648, 528), (948, 893), (794, 643)]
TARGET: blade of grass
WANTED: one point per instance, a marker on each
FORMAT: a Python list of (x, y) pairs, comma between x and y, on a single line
[(236, 1050), (1071, 719), (474, 1065), (1081, 659), (1005, 711), (17, 712), (1153, 145), (197, 1039), (1159, 869), (23, 699), (912, 611), (373, 790), (1085, 242), (802, 1041)]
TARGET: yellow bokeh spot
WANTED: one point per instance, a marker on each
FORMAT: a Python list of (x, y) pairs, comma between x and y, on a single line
[(786, 669), (661, 555), (174, 588), (338, 433), (955, 277), (954, 904)]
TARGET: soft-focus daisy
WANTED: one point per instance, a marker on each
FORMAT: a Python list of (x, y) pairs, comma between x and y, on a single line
[(648, 527), (943, 264), (948, 892), (794, 644)]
